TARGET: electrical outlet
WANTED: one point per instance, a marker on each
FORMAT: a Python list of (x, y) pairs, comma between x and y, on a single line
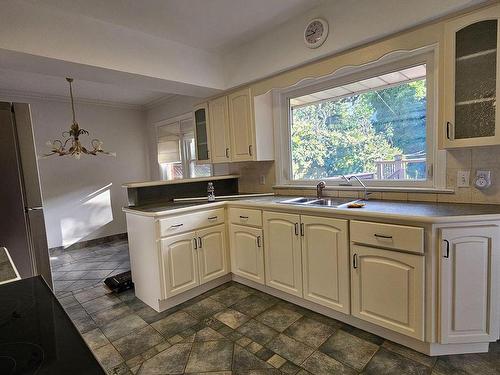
[(463, 178), (262, 179)]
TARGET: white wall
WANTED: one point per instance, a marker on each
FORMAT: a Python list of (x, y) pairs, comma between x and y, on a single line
[(351, 23), (83, 198)]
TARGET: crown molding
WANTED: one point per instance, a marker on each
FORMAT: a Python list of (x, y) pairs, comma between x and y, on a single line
[(12, 95)]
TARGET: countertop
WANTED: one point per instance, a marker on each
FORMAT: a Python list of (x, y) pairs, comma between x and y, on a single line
[(425, 212), (37, 336)]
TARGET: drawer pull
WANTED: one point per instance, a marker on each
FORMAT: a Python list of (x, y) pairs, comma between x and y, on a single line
[(195, 243), (447, 254), (383, 236), (176, 225), (259, 242), (355, 261), (243, 217), (212, 218)]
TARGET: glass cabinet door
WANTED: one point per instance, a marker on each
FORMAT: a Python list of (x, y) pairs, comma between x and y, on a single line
[(471, 80), (201, 131), (475, 80)]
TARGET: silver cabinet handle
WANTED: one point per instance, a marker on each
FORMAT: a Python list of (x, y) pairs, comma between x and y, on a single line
[(243, 217), (195, 243), (383, 236), (355, 261), (250, 150), (296, 227), (447, 254), (259, 241), (450, 131), (227, 152), (176, 225), (302, 229), (200, 244), (212, 218)]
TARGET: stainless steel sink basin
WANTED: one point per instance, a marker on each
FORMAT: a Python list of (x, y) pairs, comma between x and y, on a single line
[(325, 202)]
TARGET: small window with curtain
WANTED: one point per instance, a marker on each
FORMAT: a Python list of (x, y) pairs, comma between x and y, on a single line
[(177, 151)]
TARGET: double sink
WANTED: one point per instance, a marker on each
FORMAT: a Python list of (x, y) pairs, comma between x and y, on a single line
[(325, 202)]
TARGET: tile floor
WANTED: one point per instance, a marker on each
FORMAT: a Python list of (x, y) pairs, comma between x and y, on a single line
[(232, 329)]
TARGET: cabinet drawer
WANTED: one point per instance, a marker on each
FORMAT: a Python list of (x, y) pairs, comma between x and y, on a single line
[(245, 216), (183, 223), (388, 235)]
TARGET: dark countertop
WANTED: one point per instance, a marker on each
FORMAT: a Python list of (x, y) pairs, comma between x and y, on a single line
[(37, 336), (410, 211)]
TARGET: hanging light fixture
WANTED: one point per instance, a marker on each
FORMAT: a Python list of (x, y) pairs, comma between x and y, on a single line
[(72, 138)]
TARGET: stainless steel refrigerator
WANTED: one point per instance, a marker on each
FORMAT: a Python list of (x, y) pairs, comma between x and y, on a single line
[(22, 226)]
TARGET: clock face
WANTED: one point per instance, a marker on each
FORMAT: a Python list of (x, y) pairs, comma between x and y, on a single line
[(315, 33)]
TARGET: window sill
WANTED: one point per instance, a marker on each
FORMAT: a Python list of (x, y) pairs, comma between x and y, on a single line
[(395, 189)]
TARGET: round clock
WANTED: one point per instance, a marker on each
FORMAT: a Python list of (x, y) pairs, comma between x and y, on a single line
[(315, 33)]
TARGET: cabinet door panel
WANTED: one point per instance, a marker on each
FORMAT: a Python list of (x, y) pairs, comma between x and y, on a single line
[(219, 130), (282, 252), (179, 264), (202, 133), (468, 285), (325, 262), (387, 289), (247, 257), (212, 253), (240, 120)]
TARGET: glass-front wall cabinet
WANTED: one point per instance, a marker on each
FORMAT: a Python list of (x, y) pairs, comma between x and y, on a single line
[(471, 79), (201, 131)]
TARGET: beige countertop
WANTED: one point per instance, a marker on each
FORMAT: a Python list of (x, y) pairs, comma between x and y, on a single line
[(425, 212)]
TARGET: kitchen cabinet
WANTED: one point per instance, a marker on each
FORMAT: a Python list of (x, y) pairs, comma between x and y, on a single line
[(247, 254), (241, 125), (468, 276), (202, 133), (282, 254), (219, 130), (472, 83), (325, 261), (212, 253), (179, 262), (387, 289)]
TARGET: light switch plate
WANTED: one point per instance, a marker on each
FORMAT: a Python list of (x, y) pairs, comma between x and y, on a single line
[(262, 179), (463, 178)]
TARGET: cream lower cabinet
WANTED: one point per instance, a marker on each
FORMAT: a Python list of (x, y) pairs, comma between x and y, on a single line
[(387, 289), (194, 258), (282, 254), (247, 253), (469, 284), (325, 262)]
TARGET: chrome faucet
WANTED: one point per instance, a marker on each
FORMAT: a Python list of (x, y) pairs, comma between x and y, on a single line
[(319, 189), (361, 183)]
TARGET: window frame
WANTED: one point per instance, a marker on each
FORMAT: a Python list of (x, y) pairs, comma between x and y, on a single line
[(186, 166), (436, 159)]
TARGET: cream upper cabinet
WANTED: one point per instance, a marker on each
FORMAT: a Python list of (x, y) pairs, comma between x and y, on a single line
[(179, 264), (325, 262), (469, 287), (472, 84), (282, 252), (247, 253), (388, 289), (241, 124), (212, 253), (219, 130), (202, 132)]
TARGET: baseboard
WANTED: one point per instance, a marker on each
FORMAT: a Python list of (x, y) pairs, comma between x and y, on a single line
[(89, 243)]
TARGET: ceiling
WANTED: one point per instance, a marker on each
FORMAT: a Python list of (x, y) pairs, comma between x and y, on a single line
[(212, 25), (51, 87)]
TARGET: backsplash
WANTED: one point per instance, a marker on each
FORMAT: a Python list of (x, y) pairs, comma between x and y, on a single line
[(472, 159)]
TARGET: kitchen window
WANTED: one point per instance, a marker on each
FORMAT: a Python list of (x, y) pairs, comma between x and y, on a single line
[(177, 152), (376, 123)]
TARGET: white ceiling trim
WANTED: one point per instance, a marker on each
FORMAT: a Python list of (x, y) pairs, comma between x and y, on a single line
[(13, 95)]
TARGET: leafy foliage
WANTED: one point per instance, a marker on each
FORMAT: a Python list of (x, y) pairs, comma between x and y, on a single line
[(347, 135)]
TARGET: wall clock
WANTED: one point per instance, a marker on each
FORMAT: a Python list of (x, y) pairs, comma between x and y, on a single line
[(315, 33)]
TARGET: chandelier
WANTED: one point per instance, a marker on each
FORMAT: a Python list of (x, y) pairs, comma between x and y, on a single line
[(70, 145)]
